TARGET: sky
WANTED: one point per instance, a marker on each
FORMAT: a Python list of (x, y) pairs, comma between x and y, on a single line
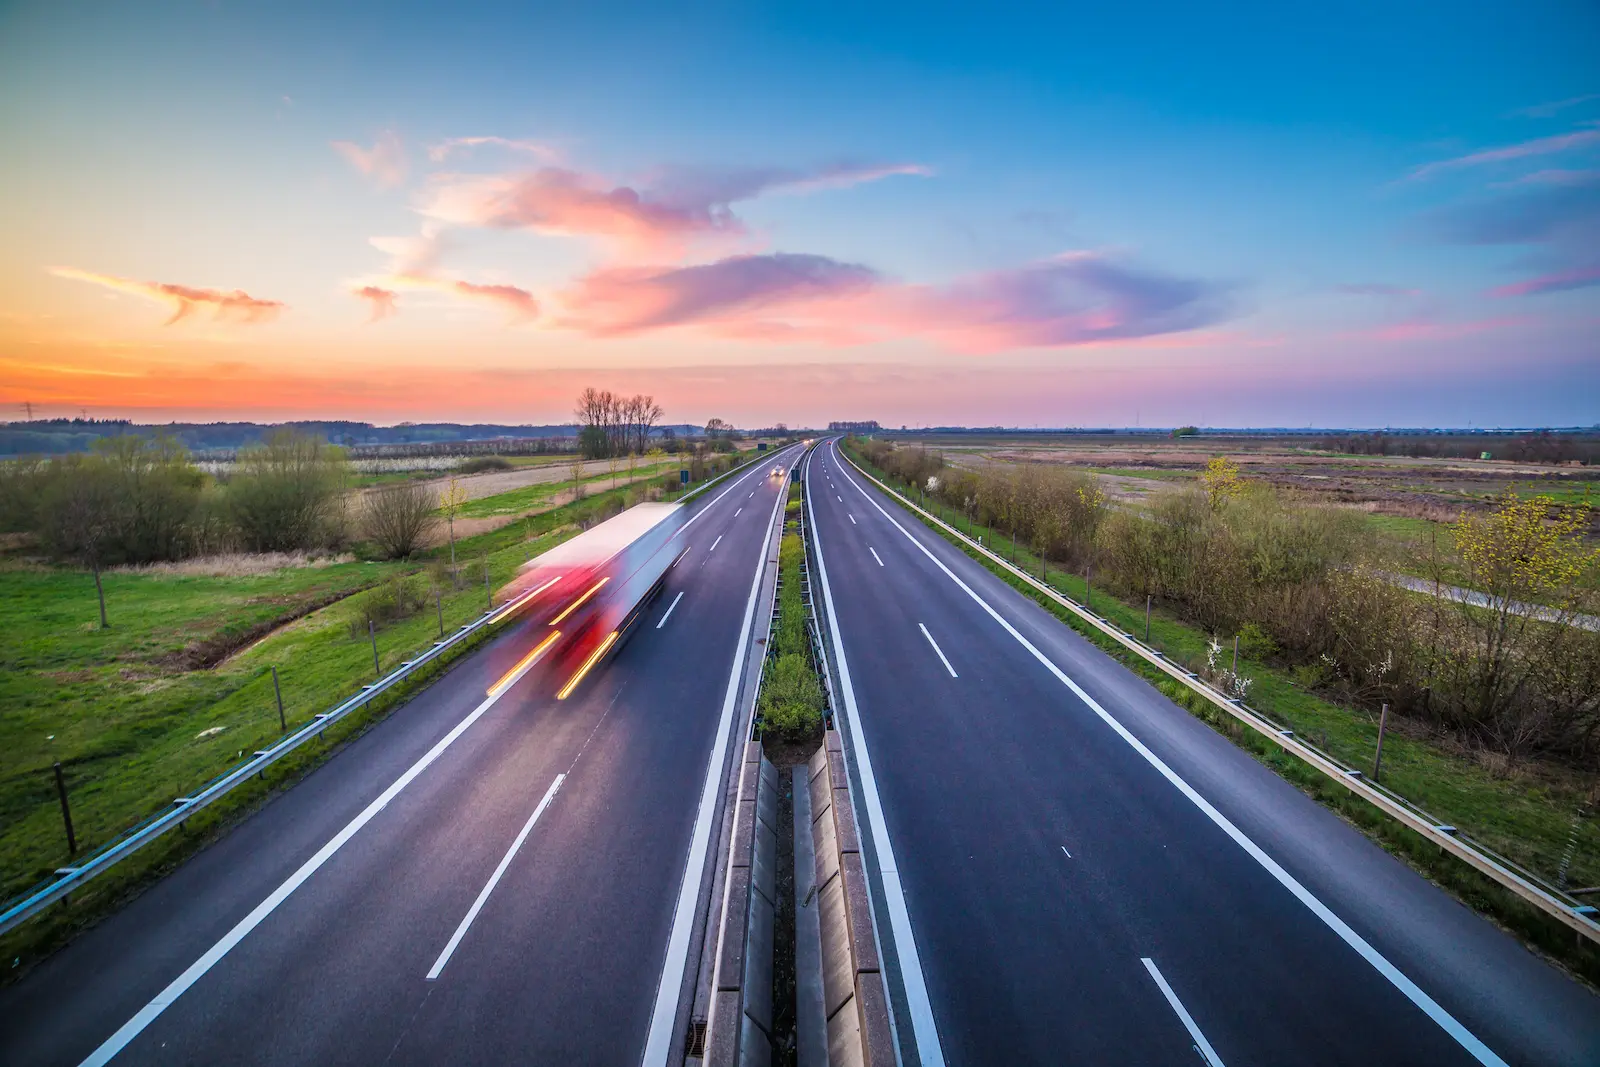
[(1057, 215)]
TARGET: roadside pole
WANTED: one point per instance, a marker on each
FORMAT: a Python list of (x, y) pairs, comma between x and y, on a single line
[(1383, 727), (66, 812), (282, 723), (373, 633), (1148, 597)]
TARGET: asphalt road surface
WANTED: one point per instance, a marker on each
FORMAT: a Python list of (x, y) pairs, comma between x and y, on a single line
[(508, 901), (1071, 869)]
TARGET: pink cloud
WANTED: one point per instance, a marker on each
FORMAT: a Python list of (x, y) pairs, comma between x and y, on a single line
[(444, 149), (384, 162), (381, 301), (1579, 278), (1425, 330), (1073, 299), (1539, 147), (233, 305), (626, 300), (519, 304), (657, 218)]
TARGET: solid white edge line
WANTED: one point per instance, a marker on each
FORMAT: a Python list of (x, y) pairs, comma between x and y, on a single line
[(176, 988), (715, 543), (1207, 1053), (923, 1030), (937, 649), (659, 1042), (875, 555), (670, 606), (1447, 1022), (494, 880)]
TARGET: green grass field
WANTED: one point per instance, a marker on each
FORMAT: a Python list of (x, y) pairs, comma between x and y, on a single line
[(532, 496)]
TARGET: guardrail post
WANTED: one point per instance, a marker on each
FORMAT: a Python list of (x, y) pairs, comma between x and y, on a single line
[(282, 722), (1571, 852), (1383, 727), (66, 812), (372, 632)]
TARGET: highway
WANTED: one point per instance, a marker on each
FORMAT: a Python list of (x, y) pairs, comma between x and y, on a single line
[(476, 879), (1068, 868)]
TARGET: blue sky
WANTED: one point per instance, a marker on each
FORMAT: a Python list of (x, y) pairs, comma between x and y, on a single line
[(1354, 215)]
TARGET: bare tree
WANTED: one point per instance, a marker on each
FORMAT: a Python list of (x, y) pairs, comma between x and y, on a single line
[(398, 518), (450, 502)]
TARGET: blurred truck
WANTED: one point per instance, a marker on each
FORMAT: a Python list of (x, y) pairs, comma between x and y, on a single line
[(584, 594)]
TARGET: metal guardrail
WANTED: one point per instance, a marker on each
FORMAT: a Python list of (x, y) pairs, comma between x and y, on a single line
[(1531, 887)]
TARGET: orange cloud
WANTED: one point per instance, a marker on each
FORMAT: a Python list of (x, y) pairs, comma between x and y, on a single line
[(380, 301), (384, 162), (234, 305), (518, 303)]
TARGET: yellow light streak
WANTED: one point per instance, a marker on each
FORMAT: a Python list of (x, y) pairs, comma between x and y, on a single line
[(594, 657), (524, 663), (576, 604)]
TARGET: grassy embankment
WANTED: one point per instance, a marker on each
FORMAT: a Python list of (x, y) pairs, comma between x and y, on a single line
[(791, 699), (180, 687), (1525, 813)]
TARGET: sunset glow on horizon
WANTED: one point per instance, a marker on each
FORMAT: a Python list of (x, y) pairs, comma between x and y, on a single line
[(263, 213)]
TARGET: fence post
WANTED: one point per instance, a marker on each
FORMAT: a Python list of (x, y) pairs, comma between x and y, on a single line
[(488, 598), (1148, 597), (438, 602), (66, 812), (1383, 728), (372, 632), (282, 723), (1236, 655), (1088, 589)]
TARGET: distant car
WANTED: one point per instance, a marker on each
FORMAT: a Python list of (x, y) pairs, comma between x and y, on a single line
[(777, 472)]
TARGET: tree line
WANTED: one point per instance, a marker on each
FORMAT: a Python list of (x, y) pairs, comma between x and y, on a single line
[(613, 424), (1308, 588)]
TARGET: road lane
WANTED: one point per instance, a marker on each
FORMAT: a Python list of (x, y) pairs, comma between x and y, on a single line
[(979, 791), (558, 964)]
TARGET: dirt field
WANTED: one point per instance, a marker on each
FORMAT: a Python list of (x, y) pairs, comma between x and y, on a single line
[(1420, 488)]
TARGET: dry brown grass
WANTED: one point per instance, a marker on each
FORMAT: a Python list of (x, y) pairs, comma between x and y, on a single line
[(234, 564)]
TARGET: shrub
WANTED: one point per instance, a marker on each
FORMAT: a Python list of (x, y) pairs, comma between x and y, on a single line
[(399, 518), (791, 696), (285, 495), (390, 602)]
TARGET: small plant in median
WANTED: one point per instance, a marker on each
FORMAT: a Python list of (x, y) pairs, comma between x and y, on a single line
[(792, 699)]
